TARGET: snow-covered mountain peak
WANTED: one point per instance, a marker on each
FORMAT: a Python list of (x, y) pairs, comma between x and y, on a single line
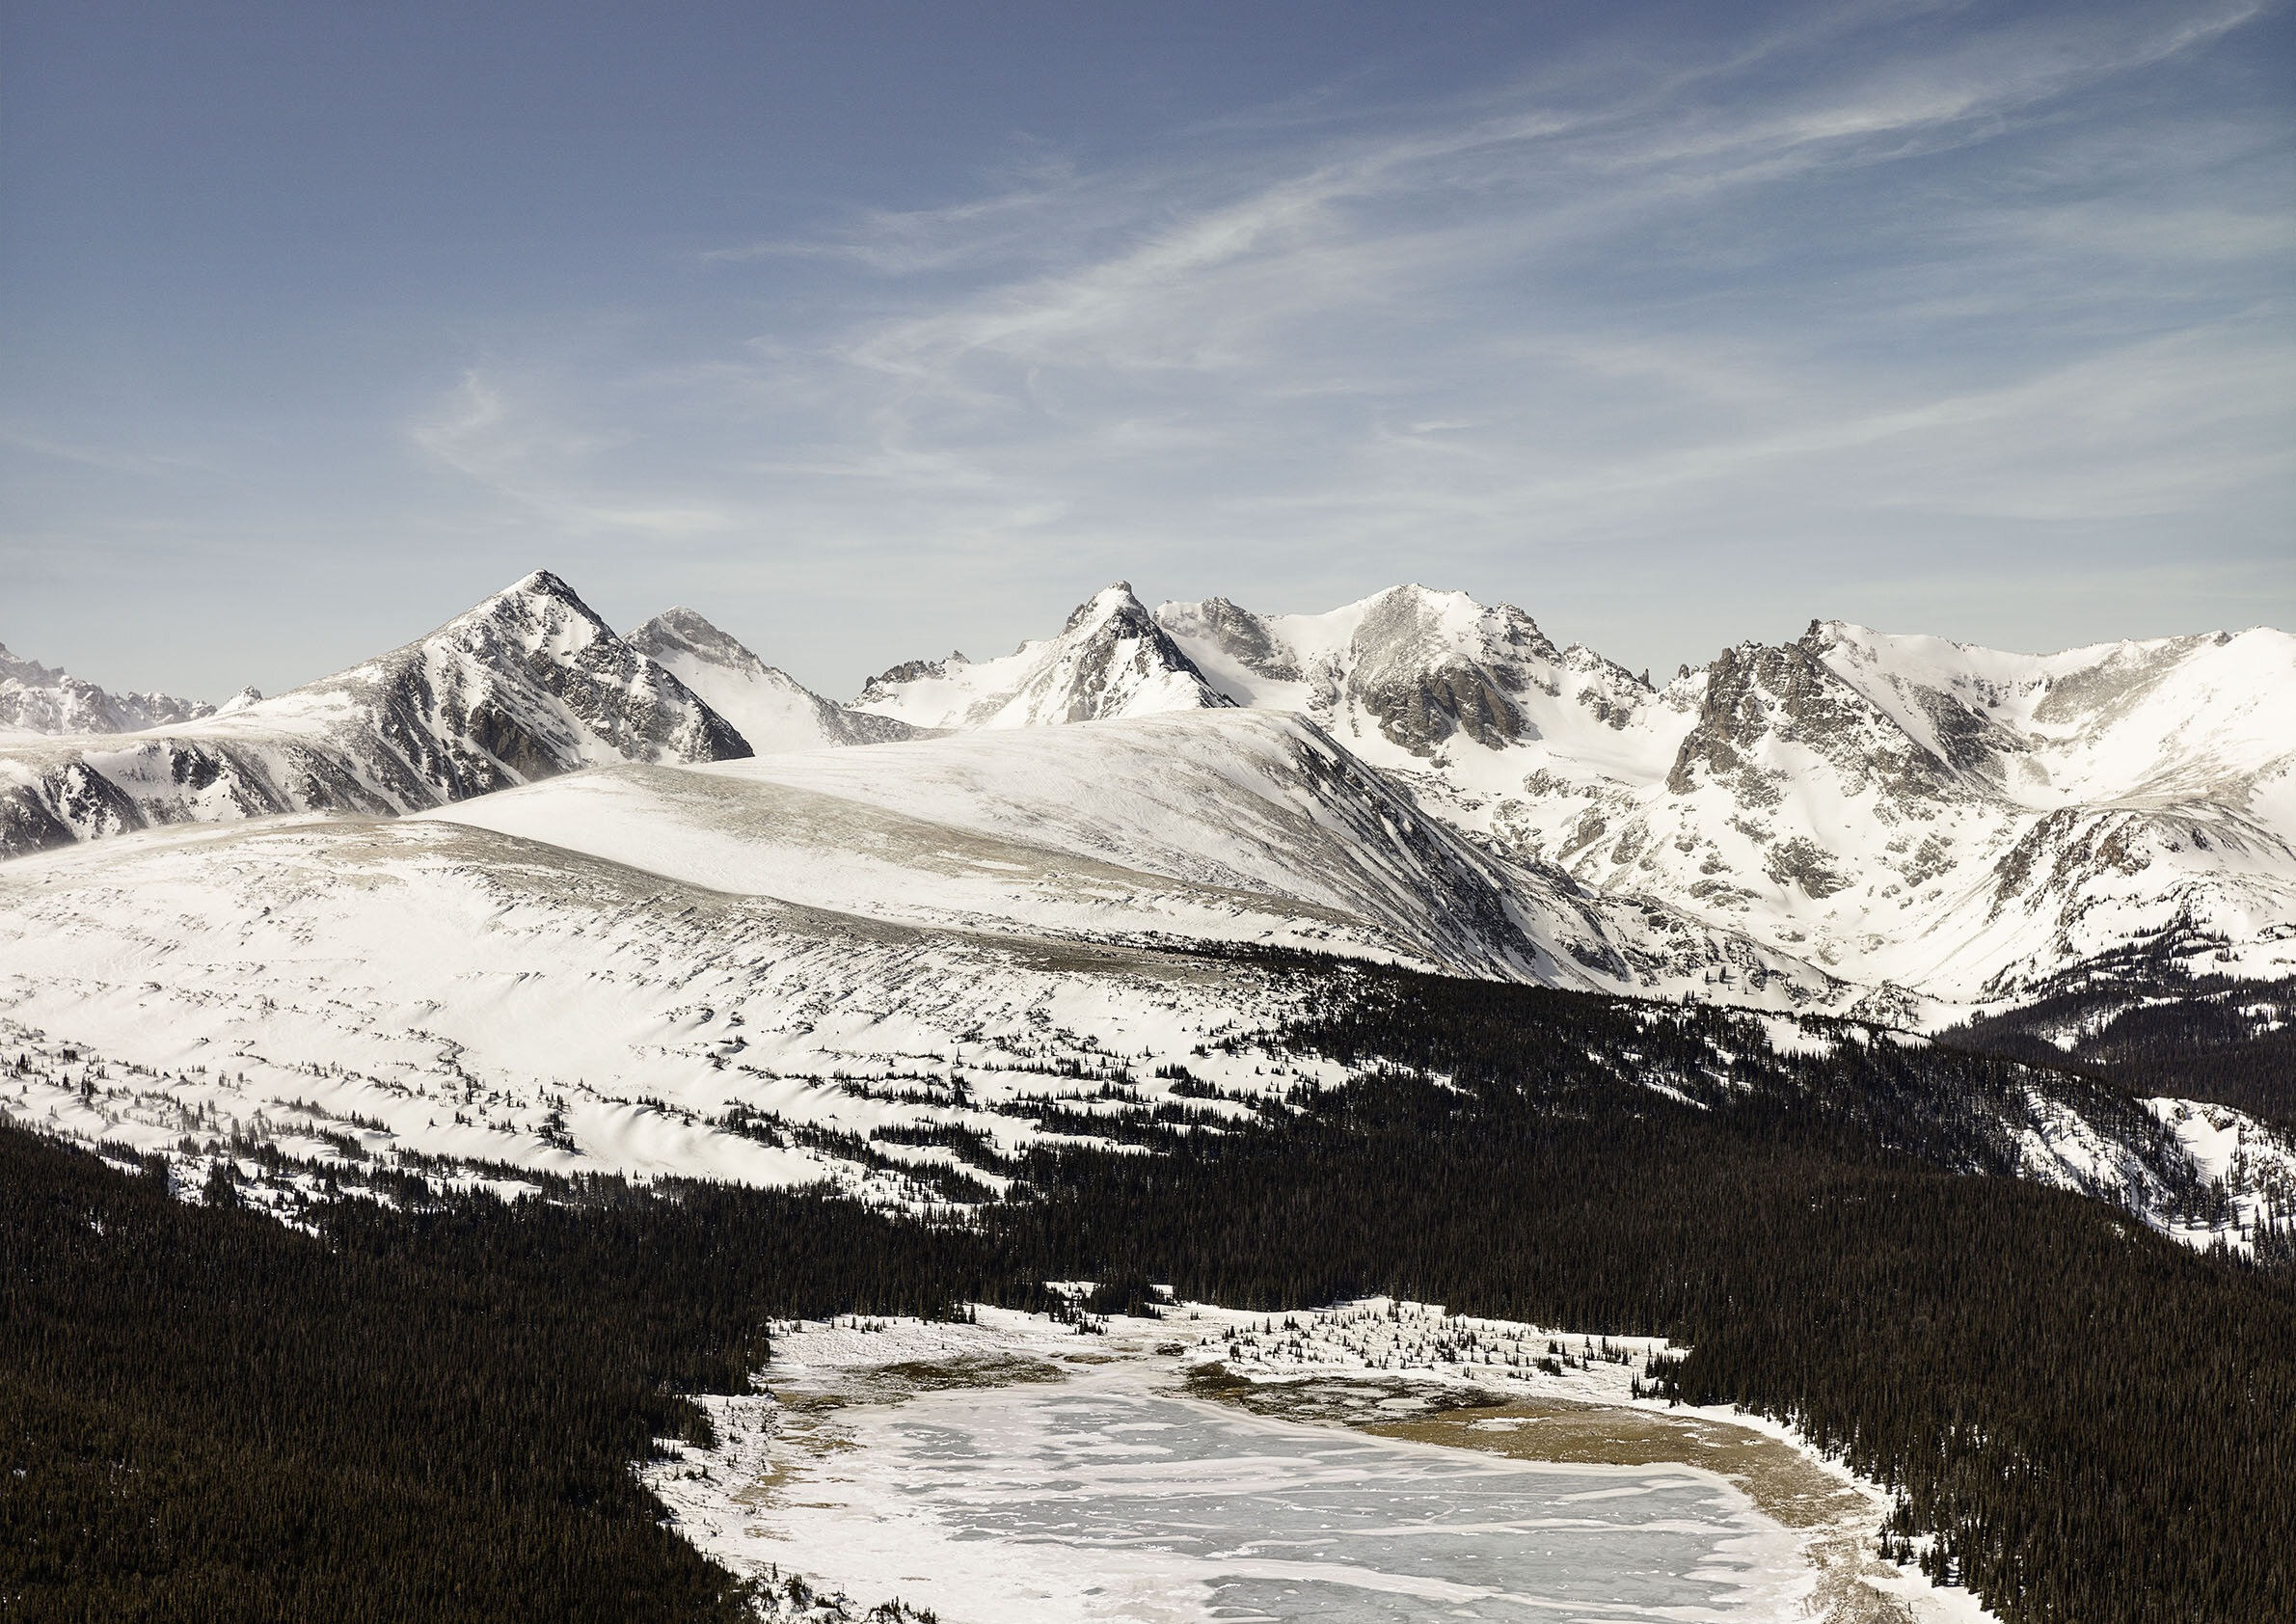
[(772, 709), (1917, 819), (43, 699), (1112, 659), (30, 672), (538, 613), (2154, 719), (1113, 602), (1425, 671), (681, 628), (683, 634), (1864, 798), (526, 685), (1772, 714)]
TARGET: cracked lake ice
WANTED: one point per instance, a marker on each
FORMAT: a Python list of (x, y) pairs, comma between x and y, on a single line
[(1106, 1498)]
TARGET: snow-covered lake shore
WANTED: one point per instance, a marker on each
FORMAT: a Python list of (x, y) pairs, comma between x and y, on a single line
[(1212, 1465)]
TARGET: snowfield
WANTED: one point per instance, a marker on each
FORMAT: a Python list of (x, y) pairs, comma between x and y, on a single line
[(482, 997), (525, 897), (1911, 828), (1946, 824), (1209, 826), (820, 967), (563, 915)]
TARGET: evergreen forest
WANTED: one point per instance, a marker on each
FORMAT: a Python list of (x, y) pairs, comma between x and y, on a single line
[(427, 1408)]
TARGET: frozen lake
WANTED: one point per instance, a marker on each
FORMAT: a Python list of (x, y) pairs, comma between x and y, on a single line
[(1109, 1497)]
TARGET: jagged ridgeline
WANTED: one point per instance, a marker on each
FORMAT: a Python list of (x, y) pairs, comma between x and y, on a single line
[(2090, 1419), (531, 899), (1916, 828), (528, 685)]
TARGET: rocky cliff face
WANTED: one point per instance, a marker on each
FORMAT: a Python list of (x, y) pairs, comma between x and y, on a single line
[(1418, 668), (1755, 697), (1905, 813), (528, 683), (1903, 823)]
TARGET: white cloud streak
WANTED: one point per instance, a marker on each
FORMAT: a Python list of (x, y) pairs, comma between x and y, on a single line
[(1898, 266)]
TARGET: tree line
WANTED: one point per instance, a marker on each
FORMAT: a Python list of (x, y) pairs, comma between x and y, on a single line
[(426, 1409)]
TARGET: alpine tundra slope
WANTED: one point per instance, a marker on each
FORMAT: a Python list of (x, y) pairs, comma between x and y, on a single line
[(529, 893)]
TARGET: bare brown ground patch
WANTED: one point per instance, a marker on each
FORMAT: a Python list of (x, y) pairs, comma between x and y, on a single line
[(937, 1375), (805, 1432), (1786, 1485)]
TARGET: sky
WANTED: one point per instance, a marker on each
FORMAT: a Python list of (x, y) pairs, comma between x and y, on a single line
[(877, 328)]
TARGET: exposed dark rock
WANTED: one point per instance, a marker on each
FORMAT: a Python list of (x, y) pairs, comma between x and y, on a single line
[(885, 682), (1802, 861), (1419, 709), (1104, 667), (1245, 637), (529, 684)]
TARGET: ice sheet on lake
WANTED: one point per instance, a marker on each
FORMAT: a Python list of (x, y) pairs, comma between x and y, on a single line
[(1104, 1498)]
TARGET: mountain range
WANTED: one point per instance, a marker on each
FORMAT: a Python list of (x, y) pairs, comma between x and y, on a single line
[(528, 896), (1906, 827), (40, 699)]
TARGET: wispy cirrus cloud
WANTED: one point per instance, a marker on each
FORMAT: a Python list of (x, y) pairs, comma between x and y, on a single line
[(1884, 278), (478, 431), (110, 459)]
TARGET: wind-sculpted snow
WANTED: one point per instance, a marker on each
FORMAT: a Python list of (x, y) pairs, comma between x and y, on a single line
[(1250, 805), (1213, 826), (1899, 828), (771, 710), (750, 836), (418, 987), (528, 685), (433, 997)]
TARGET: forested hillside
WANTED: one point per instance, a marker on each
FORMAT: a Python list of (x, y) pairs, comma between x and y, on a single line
[(415, 1418), (2151, 1031), (426, 1411), (2072, 1404)]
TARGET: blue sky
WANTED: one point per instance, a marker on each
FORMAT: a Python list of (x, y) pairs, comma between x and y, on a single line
[(875, 328)]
